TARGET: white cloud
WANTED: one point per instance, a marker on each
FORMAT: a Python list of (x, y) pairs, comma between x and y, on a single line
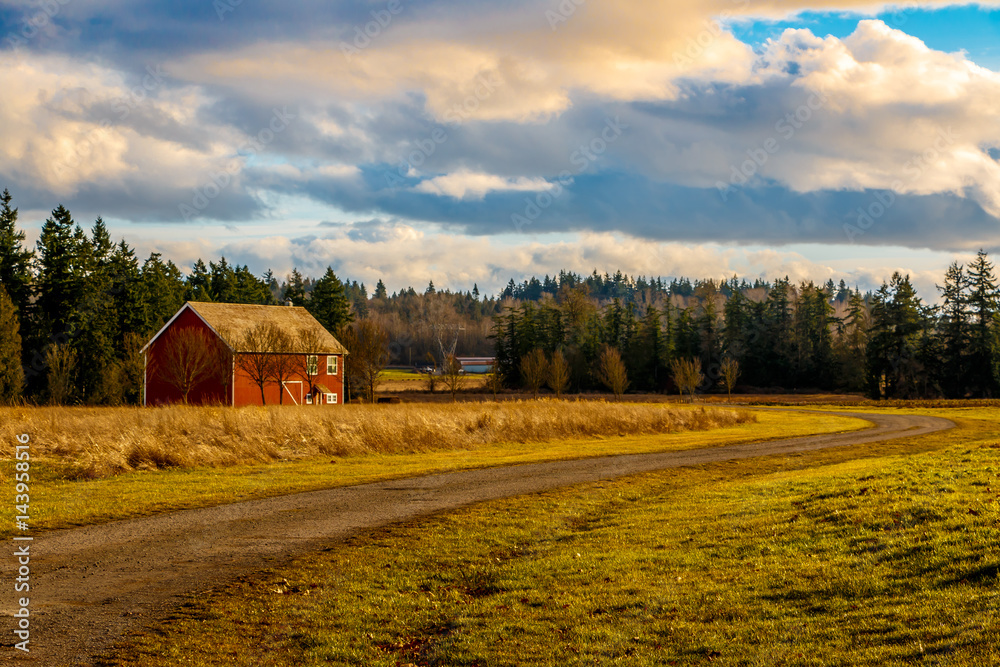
[(466, 184), (403, 256)]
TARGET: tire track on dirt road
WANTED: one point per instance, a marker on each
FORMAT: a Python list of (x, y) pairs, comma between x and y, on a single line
[(90, 586)]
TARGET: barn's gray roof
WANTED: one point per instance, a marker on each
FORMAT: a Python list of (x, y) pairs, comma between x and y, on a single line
[(233, 320)]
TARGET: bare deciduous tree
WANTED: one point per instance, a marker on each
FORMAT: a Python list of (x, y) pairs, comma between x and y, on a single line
[(534, 370), (188, 359), (730, 370), (453, 375), (368, 344), (256, 355), (286, 362), (61, 363), (131, 368), (432, 373), (687, 375), (611, 371), (308, 344), (495, 382), (558, 378)]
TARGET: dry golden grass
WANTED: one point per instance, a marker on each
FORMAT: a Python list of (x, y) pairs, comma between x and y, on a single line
[(98, 442)]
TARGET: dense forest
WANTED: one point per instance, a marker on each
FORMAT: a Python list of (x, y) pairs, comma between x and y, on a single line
[(76, 310)]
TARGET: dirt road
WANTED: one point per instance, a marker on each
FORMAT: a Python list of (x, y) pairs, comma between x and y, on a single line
[(90, 586)]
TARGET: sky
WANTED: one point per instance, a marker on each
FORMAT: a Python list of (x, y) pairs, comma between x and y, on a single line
[(473, 142)]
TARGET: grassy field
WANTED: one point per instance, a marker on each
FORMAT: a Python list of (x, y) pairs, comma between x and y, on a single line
[(152, 461), (875, 554), (397, 380)]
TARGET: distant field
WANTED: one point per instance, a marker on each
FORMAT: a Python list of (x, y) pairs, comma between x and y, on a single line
[(874, 554), (99, 464), (395, 380)]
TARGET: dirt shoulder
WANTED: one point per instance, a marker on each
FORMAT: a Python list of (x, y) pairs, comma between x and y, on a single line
[(90, 586)]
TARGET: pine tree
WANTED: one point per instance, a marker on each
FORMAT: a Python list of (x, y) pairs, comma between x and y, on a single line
[(984, 347), (251, 289), (893, 365), (293, 290), (11, 371), (199, 283), (954, 331), (15, 260), (222, 282), (328, 303), (59, 272), (95, 322), (852, 342), (380, 291), (164, 291)]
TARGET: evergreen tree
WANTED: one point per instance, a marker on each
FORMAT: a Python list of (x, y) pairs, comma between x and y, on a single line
[(709, 328), (164, 291), (62, 248), (954, 331), (222, 282), (293, 290), (813, 340), (984, 347), (251, 289), (94, 323), (15, 260), (11, 371), (328, 303), (199, 283), (852, 342), (646, 360), (778, 329), (893, 365), (380, 291)]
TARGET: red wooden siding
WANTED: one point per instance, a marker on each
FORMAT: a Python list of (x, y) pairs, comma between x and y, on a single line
[(159, 392), (248, 393)]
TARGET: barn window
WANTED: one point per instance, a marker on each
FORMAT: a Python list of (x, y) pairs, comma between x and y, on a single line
[(331, 365), (309, 399), (312, 364), (331, 399)]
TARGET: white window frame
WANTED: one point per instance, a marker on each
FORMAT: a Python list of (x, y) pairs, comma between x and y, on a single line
[(331, 399), (312, 364), (333, 361), (309, 399)]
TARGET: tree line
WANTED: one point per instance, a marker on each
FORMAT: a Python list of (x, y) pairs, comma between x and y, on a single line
[(76, 309), (772, 336)]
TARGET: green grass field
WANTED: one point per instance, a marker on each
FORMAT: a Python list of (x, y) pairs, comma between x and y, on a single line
[(874, 554), (60, 501)]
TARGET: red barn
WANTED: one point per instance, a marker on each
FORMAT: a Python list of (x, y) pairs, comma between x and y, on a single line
[(214, 353)]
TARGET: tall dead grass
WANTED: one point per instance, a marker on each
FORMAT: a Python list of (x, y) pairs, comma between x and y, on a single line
[(98, 442)]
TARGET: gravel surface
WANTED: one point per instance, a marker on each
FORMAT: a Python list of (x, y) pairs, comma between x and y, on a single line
[(90, 586)]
